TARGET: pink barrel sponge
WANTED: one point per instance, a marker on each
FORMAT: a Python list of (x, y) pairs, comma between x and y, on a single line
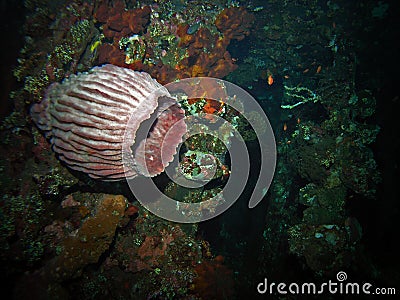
[(90, 118)]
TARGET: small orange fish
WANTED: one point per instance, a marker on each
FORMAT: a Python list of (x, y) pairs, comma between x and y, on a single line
[(284, 127), (286, 76), (298, 120), (306, 70), (319, 69), (270, 80)]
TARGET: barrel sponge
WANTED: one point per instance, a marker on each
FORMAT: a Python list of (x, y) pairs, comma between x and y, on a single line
[(90, 117)]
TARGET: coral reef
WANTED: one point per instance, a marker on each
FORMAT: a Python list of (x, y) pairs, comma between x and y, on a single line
[(64, 234), (234, 22), (170, 48), (56, 53), (325, 247), (59, 230), (334, 164), (90, 241), (118, 23), (214, 280), (324, 134)]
